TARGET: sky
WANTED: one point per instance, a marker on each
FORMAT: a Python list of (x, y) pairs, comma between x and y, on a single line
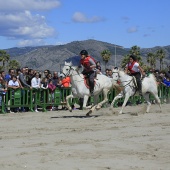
[(145, 23)]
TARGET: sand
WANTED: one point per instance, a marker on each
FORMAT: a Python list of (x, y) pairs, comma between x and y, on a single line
[(57, 140)]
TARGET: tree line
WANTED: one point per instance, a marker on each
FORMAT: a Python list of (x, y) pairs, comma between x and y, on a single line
[(152, 59)]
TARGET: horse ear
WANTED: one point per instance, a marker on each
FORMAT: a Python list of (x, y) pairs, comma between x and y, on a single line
[(65, 63), (115, 69)]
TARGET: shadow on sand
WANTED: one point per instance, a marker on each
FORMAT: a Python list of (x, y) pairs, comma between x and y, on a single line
[(79, 117)]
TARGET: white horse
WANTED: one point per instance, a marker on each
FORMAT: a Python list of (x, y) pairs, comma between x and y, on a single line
[(79, 89), (149, 85)]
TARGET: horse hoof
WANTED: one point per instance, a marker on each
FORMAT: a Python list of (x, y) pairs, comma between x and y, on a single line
[(88, 113), (98, 108)]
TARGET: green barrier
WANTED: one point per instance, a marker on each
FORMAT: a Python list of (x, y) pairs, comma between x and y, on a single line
[(30, 98)]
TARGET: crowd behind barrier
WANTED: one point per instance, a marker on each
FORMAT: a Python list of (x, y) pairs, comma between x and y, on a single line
[(27, 89), (42, 98)]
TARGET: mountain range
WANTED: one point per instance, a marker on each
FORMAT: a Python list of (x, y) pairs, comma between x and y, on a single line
[(52, 57)]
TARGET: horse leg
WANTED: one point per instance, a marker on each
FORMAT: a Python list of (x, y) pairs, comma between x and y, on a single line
[(85, 102), (105, 92), (158, 100), (120, 95), (94, 107), (146, 97), (67, 102), (124, 103)]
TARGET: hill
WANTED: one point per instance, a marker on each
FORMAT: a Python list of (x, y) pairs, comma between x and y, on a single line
[(53, 57)]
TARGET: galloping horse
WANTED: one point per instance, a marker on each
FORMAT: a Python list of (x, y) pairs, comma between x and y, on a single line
[(149, 85), (103, 85)]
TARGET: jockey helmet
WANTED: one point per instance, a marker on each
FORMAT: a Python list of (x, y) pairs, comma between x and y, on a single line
[(84, 52)]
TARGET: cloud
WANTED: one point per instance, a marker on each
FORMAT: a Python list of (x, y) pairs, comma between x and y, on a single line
[(24, 25), (132, 29), (19, 23), (80, 17), (34, 42), (20, 5), (125, 19)]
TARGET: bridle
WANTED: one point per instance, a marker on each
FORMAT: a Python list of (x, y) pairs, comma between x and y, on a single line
[(68, 73), (69, 70)]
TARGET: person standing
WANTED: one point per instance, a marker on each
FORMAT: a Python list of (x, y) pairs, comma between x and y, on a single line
[(36, 84), (135, 70), (89, 68), (13, 84)]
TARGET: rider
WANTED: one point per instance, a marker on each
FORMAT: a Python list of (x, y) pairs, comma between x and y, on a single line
[(135, 70), (89, 68)]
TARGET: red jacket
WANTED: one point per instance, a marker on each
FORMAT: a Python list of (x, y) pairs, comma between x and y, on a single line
[(86, 62), (66, 82), (130, 66)]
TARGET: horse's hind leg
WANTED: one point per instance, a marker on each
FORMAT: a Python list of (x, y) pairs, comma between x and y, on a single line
[(105, 92), (85, 102), (93, 107), (146, 96), (158, 100)]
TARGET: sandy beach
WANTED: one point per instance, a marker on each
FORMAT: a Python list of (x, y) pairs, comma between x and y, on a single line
[(57, 140)]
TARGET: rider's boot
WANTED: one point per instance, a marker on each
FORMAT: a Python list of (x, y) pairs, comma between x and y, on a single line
[(92, 88), (139, 88)]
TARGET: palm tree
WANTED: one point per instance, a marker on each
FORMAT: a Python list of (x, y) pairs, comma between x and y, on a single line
[(106, 56), (135, 50), (125, 61), (14, 64), (4, 57), (151, 60), (161, 55)]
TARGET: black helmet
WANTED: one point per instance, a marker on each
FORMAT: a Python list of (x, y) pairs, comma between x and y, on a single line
[(84, 52)]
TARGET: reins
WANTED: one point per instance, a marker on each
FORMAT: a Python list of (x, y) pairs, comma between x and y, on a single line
[(125, 81), (68, 73)]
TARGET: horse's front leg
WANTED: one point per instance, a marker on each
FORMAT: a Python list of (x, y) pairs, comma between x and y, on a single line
[(67, 102), (124, 103), (120, 95)]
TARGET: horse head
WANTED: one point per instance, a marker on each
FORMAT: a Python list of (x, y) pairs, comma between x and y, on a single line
[(68, 69), (115, 74)]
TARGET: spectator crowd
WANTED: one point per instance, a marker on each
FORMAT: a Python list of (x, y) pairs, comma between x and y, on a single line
[(32, 79), (29, 78)]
